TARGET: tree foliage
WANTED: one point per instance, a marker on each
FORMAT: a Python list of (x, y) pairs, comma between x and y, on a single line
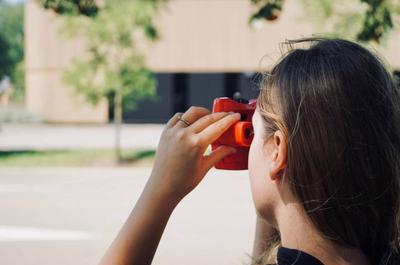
[(371, 20), (12, 44), (90, 8), (377, 21), (267, 9), (72, 7), (114, 64)]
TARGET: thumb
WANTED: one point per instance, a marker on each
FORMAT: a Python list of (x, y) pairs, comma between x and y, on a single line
[(217, 155)]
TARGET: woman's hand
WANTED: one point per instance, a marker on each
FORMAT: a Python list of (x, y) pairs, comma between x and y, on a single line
[(178, 168), (180, 163)]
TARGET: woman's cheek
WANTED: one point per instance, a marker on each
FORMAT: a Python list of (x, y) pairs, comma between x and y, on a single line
[(257, 173)]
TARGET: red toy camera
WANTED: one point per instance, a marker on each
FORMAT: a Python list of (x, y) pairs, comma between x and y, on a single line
[(239, 135)]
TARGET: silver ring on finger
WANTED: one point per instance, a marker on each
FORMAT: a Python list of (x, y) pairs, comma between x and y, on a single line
[(183, 120)]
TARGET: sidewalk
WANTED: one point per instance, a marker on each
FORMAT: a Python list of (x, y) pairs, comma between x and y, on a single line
[(49, 136), (71, 215)]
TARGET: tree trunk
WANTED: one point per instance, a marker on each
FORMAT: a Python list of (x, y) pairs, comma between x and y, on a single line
[(117, 124)]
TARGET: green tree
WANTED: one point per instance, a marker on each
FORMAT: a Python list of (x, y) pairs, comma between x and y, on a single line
[(64, 7), (364, 20), (114, 65), (12, 44)]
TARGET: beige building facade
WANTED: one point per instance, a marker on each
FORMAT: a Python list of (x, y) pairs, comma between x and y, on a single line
[(196, 36)]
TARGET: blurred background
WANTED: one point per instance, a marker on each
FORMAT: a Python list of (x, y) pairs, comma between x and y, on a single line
[(87, 86)]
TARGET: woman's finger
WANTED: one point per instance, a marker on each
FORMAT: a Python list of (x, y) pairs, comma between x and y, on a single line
[(192, 115), (173, 120), (217, 155), (215, 130), (206, 121)]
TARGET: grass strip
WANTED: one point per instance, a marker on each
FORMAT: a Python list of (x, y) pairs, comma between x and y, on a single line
[(85, 157)]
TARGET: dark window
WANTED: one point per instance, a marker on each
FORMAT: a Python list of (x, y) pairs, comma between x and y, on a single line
[(155, 111), (180, 95), (178, 91)]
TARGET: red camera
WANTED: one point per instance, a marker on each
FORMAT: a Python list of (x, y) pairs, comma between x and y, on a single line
[(239, 135)]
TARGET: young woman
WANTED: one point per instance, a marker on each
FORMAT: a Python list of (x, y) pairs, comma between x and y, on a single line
[(324, 163)]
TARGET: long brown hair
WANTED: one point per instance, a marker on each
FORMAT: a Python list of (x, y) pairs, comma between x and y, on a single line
[(340, 112)]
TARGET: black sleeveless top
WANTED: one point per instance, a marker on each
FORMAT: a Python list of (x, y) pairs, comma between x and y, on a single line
[(288, 256)]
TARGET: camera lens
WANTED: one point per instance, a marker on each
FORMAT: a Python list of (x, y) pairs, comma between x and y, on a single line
[(248, 132)]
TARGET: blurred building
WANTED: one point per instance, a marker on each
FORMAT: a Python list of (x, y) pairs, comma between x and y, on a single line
[(207, 50)]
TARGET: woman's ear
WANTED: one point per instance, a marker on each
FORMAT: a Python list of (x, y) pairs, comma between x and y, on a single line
[(278, 156)]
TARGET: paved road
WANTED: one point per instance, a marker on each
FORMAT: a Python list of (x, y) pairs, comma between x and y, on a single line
[(47, 136), (70, 215)]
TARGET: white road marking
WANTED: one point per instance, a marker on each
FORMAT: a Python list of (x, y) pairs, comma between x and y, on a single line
[(21, 233)]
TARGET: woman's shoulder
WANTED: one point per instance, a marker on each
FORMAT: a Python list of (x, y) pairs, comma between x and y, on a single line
[(289, 256)]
